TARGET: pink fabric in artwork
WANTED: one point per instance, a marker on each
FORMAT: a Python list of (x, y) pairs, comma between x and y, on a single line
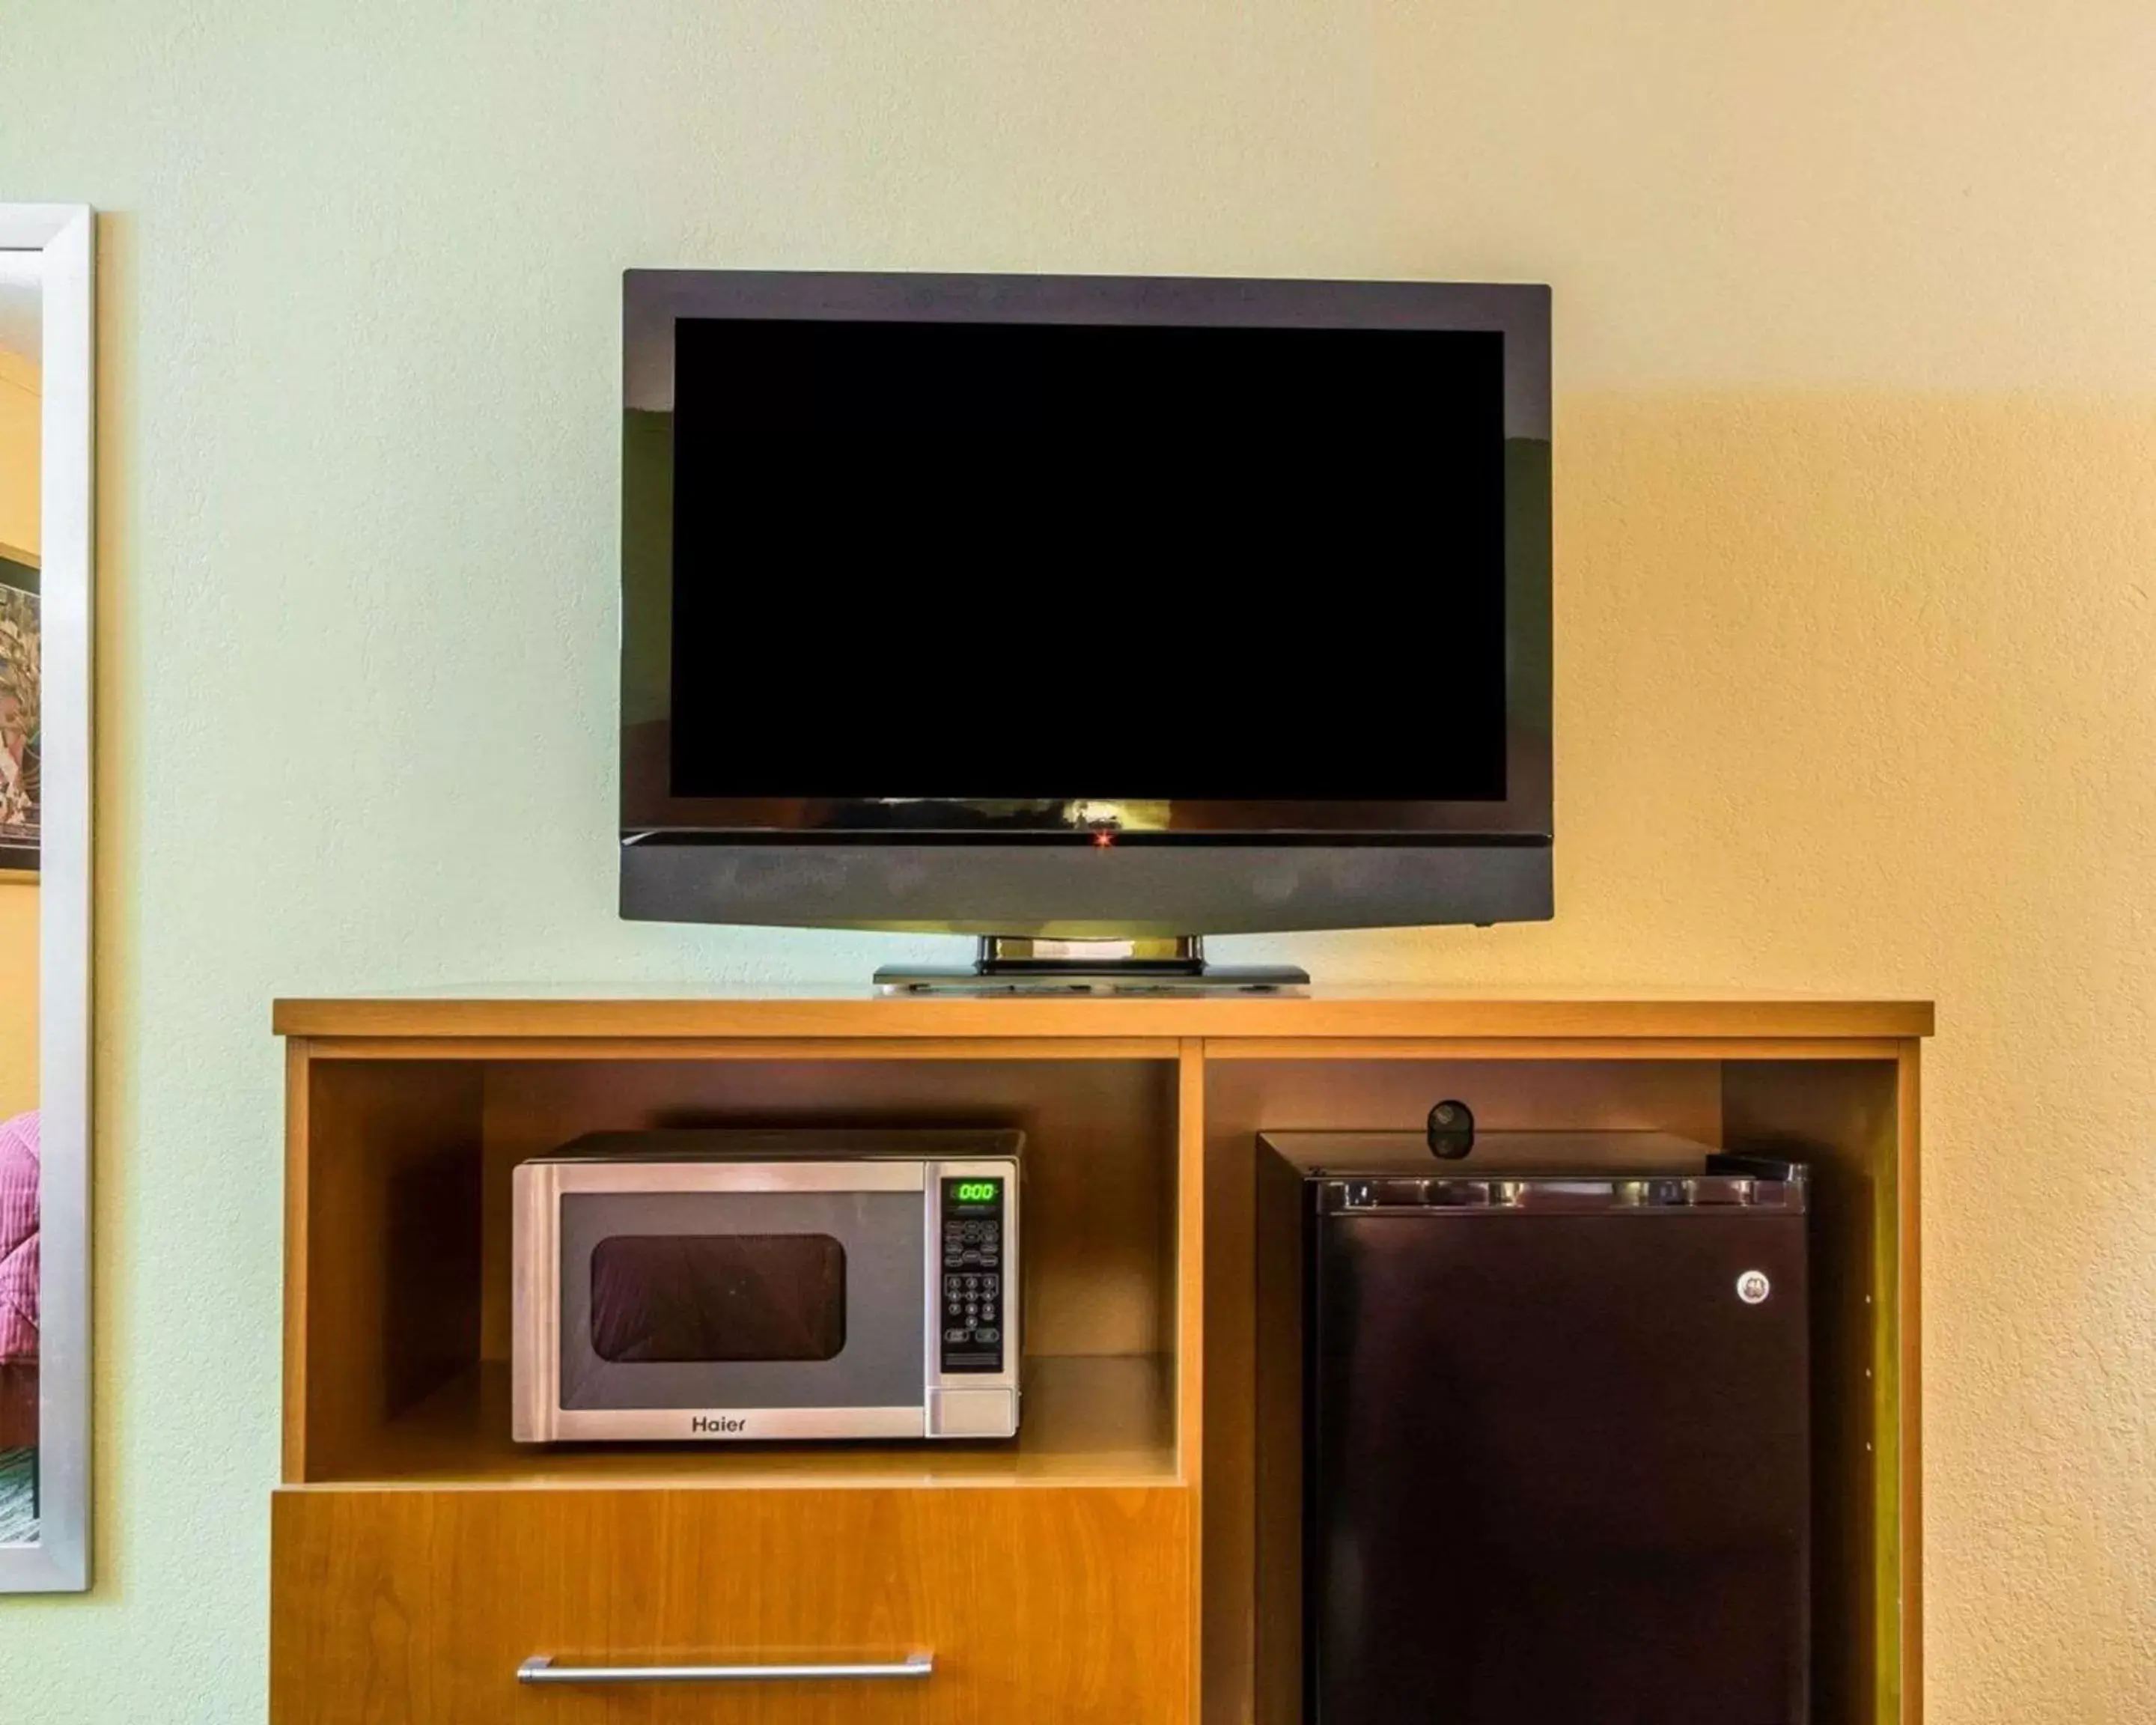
[(19, 1239)]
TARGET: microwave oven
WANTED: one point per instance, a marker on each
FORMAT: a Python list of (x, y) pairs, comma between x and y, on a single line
[(732, 1286)]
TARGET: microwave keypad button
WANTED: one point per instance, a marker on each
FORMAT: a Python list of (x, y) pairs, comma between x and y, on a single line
[(972, 1228)]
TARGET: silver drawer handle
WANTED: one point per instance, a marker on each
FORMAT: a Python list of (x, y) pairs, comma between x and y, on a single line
[(542, 1669)]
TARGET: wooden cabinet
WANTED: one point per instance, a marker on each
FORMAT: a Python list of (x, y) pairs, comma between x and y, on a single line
[(1098, 1567), (420, 1606)]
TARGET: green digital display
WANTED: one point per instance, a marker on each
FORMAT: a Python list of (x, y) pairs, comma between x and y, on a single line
[(975, 1191)]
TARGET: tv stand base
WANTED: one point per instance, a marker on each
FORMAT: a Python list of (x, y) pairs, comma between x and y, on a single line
[(1015, 965)]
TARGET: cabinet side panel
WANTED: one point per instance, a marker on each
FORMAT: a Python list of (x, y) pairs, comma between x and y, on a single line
[(391, 1271), (295, 1460), (1184, 1271), (1910, 1404), (1282, 1297), (1843, 1119)]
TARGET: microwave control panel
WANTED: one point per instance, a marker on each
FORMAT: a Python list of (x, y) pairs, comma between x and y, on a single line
[(974, 1290)]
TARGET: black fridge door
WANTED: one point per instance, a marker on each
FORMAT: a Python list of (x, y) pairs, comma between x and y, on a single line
[(1558, 1470)]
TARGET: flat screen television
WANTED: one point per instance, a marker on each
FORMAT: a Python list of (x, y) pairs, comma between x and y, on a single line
[(1084, 607)]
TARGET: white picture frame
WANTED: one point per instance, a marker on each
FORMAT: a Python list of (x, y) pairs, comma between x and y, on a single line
[(56, 1560)]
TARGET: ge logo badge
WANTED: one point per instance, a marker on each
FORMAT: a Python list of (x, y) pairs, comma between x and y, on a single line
[(1752, 1287)]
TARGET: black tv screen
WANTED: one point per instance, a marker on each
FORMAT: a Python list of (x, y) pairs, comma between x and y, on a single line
[(1041, 560), (1041, 563)]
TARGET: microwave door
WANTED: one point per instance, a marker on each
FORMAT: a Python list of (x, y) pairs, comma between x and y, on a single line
[(741, 1314), (718, 1299)]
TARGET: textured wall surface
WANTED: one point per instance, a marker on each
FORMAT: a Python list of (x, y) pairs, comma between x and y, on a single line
[(1856, 600)]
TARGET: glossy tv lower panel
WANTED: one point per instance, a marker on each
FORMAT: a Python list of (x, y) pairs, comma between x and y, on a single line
[(1077, 891)]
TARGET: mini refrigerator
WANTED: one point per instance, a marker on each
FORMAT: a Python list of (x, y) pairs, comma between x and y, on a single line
[(1533, 1434)]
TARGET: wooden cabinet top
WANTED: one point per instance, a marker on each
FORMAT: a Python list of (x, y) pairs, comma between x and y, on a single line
[(853, 1014)]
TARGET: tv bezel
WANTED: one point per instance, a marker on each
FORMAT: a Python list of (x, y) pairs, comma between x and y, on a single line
[(749, 859)]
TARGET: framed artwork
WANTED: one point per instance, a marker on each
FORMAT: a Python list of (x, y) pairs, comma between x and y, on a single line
[(46, 339)]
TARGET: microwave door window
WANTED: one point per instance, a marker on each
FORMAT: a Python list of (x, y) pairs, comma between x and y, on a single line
[(742, 1300), (717, 1299)]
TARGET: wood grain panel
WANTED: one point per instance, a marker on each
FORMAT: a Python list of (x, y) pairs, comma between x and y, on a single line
[(416, 1607), (1184, 1260), (1369, 1012), (1907, 1409), (1547, 1048), (1090, 1419), (771, 1048), (298, 1201), (389, 1303), (1845, 1120)]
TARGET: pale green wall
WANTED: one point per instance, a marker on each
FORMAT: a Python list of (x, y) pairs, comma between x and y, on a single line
[(1858, 409)]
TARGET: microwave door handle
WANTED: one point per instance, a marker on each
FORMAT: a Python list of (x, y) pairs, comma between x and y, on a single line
[(542, 1669)]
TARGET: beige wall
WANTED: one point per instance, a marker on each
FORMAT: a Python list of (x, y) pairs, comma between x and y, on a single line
[(1857, 616), (19, 446)]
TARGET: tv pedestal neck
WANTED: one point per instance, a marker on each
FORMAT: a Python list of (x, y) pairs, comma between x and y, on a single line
[(1013, 964)]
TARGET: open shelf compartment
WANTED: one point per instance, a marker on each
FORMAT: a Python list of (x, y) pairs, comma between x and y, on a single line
[(1851, 1120), (402, 1303)]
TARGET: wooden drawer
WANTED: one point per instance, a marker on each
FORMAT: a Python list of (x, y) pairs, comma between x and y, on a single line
[(416, 1607)]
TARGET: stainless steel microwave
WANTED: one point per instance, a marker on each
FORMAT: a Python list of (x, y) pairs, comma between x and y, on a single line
[(733, 1286)]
